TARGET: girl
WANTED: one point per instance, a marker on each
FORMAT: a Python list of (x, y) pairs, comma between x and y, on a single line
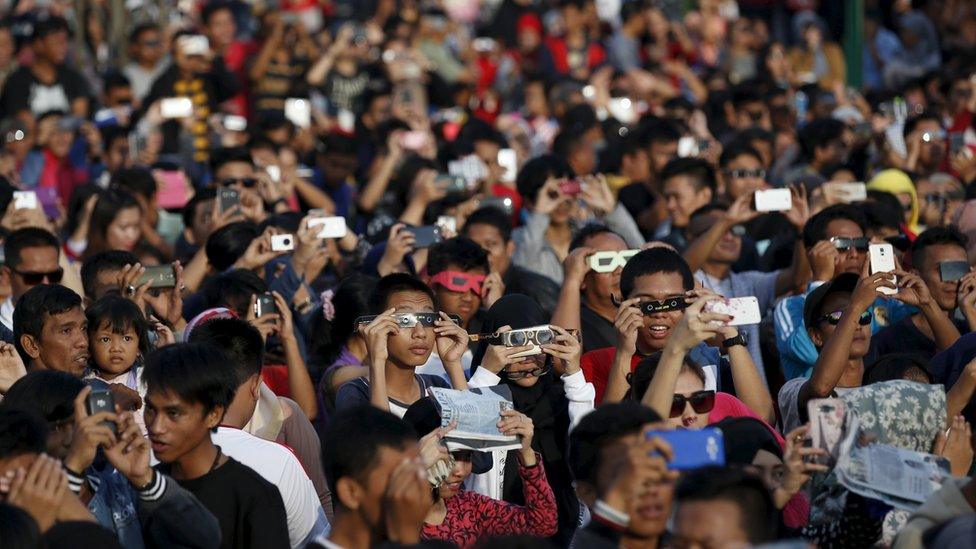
[(114, 224)]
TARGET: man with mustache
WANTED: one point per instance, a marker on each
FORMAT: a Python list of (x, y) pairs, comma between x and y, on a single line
[(50, 330)]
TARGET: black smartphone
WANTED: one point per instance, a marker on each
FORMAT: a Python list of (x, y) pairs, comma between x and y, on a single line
[(452, 184), (228, 199), (265, 305), (502, 203), (951, 271), (425, 236), (956, 142), (159, 276), (101, 401)]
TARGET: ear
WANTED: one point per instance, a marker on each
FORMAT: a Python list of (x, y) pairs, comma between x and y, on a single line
[(255, 386), (815, 337), (720, 186), (188, 235), (30, 345), (214, 417), (510, 248), (349, 492), (586, 493)]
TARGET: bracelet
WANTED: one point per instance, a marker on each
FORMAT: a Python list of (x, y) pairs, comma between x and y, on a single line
[(606, 514)]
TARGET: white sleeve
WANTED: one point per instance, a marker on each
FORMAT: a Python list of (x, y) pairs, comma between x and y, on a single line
[(483, 378), (302, 505), (580, 394)]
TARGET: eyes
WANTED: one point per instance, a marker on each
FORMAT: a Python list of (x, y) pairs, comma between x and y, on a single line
[(106, 339)]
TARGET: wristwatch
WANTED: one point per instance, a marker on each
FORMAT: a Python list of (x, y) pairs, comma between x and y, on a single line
[(737, 340)]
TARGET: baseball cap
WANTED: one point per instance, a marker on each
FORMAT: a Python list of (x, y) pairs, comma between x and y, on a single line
[(843, 283)]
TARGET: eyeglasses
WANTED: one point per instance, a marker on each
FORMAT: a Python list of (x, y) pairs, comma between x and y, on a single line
[(535, 372), (610, 260), (737, 230), (248, 182), (457, 281), (834, 317), (936, 135), (701, 402), (409, 320), (899, 242), (741, 174), (662, 305), (34, 278), (843, 243)]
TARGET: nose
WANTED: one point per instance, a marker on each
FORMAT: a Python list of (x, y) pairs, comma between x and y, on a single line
[(418, 332)]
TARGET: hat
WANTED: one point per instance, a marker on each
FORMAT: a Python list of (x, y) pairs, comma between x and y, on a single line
[(843, 283), (528, 22), (424, 418)]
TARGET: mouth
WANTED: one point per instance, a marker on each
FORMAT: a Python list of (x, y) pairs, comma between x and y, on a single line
[(659, 331), (116, 359), (158, 446), (81, 359), (688, 421), (419, 351), (650, 512)]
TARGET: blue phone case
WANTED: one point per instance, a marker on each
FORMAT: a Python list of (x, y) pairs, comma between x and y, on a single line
[(693, 449)]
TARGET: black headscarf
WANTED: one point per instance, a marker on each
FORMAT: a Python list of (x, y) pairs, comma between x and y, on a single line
[(545, 402), (744, 437)]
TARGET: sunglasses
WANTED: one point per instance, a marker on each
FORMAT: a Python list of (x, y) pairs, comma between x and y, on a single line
[(610, 261), (899, 242), (456, 281), (701, 402), (33, 279), (656, 306), (737, 230), (409, 320), (248, 182), (741, 174), (843, 243), (834, 317)]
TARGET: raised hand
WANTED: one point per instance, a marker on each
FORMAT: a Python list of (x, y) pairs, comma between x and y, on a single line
[(130, 452), (629, 320), (452, 340), (90, 433), (492, 289), (11, 366), (565, 349), (406, 502), (376, 334), (516, 423)]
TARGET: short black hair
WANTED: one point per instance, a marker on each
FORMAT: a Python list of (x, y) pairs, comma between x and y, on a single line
[(233, 289), (759, 517), (640, 378), (601, 427), (818, 133), (737, 149), (140, 29), (588, 231), (115, 79), (21, 432), (212, 7), (567, 142), (238, 339), (653, 129), (50, 25), (48, 394), (227, 244), (190, 209), (655, 260), (31, 237), (120, 314), (937, 236), (192, 372), (227, 155), (33, 308), (353, 440), (459, 251), (816, 228), (537, 171), (136, 180), (699, 171), (883, 213), (491, 216), (912, 122), (108, 260), (898, 366), (393, 283)]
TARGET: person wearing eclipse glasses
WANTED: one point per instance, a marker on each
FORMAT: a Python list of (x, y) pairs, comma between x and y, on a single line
[(400, 337)]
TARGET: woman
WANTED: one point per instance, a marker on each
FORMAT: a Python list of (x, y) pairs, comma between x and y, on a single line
[(814, 59), (463, 517), (114, 224), (899, 184), (554, 402)]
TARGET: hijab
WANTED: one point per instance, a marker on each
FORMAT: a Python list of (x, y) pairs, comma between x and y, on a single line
[(896, 182)]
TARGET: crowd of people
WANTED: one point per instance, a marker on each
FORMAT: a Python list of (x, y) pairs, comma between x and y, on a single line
[(245, 243)]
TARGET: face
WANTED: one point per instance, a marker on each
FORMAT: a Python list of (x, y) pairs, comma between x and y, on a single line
[(63, 344), (114, 353), (117, 155), (653, 505), (769, 468), (683, 198), (729, 247), (930, 153), (149, 47), (526, 372), (105, 281), (928, 270), (36, 259), (938, 201), (176, 427), (60, 435), (687, 384), (53, 47), (337, 168), (490, 238), (202, 221), (463, 304), (851, 261), (820, 333), (661, 152), (370, 491), (221, 28), (657, 326), (411, 347), (711, 524), (123, 232), (602, 285), (233, 174), (637, 165), (753, 114), (736, 186), (461, 471)]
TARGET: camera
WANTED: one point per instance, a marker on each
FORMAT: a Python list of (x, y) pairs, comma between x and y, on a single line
[(282, 243)]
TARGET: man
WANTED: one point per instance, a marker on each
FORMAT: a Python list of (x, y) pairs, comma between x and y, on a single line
[(931, 329), (939, 196), (644, 198), (32, 258), (336, 163), (688, 184), (197, 224), (925, 141), (146, 53), (824, 142), (621, 476), (274, 462), (577, 150), (50, 330), (654, 275), (723, 506), (187, 396), (491, 229), (47, 84), (254, 404), (100, 273), (373, 464)]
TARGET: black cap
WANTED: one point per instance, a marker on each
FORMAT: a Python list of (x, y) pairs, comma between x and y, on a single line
[(424, 418), (845, 282)]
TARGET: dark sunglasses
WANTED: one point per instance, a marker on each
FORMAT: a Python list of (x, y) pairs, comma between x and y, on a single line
[(843, 244), (739, 174), (246, 181), (833, 318), (899, 242), (701, 402), (33, 279)]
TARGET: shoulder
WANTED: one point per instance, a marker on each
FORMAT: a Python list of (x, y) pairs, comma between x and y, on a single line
[(599, 356), (432, 380)]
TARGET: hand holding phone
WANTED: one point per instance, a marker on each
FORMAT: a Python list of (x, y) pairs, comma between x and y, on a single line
[(883, 261), (743, 310), (424, 236), (827, 427), (101, 401), (692, 449), (774, 200)]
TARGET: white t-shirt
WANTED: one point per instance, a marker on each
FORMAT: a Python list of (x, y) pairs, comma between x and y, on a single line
[(279, 466)]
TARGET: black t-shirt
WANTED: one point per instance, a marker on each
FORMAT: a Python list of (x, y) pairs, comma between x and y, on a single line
[(248, 508), (904, 337), (598, 332), (636, 198), (23, 91)]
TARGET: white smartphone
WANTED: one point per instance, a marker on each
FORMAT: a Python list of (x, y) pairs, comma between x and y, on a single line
[(274, 172), (774, 200), (508, 160), (687, 146), (234, 123), (848, 192), (175, 107), (298, 111), (194, 44), (743, 310), (883, 261), (346, 120), (332, 227), (447, 223), (826, 417), (282, 243), (25, 200)]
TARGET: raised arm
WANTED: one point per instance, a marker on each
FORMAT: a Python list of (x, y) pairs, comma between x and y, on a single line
[(299, 382), (376, 334), (575, 267), (749, 385)]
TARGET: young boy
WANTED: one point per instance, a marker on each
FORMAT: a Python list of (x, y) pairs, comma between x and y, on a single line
[(185, 402)]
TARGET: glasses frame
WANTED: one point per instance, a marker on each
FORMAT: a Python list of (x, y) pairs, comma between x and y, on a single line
[(701, 402)]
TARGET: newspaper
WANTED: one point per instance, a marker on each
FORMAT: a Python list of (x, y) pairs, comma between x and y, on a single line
[(901, 478), (477, 414)]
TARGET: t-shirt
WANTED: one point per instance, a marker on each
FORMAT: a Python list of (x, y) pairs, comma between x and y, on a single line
[(248, 507), (789, 395), (23, 91), (596, 364), (904, 337), (281, 468), (356, 392), (598, 332)]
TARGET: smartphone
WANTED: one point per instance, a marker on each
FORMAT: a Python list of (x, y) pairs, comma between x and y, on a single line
[(425, 236), (956, 142), (298, 111), (413, 141), (687, 146), (774, 200), (25, 200), (101, 401), (693, 448), (175, 107), (571, 187), (274, 172), (743, 310), (228, 199), (622, 109), (282, 242), (265, 305), (502, 203), (951, 271), (826, 416), (159, 276), (447, 223), (483, 45), (848, 192), (508, 160), (331, 227), (194, 44), (346, 120), (883, 261), (234, 123), (453, 184)]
